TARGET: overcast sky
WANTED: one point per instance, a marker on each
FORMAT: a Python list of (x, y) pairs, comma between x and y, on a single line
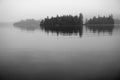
[(14, 10)]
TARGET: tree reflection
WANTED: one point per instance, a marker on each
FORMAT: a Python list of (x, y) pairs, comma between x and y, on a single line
[(30, 28), (64, 30), (101, 28)]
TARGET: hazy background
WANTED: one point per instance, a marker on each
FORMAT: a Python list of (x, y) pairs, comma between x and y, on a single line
[(15, 10)]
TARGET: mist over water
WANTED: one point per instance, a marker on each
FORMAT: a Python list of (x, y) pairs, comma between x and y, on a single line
[(38, 54)]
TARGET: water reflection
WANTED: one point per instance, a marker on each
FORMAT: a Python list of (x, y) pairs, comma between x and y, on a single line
[(68, 30), (30, 28), (64, 30), (101, 28)]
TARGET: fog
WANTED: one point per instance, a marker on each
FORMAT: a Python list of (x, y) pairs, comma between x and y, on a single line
[(14, 10)]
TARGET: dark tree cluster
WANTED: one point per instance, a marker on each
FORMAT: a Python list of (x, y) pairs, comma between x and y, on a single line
[(63, 20), (101, 20)]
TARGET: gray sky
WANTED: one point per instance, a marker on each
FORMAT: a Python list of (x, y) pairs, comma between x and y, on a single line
[(14, 10)]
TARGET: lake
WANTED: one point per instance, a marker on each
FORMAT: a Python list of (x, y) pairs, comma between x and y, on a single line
[(36, 54)]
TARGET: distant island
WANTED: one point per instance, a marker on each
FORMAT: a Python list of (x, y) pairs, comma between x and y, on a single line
[(101, 24), (100, 20), (28, 24)]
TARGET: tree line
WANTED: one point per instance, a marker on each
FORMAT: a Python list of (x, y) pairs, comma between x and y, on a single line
[(75, 20), (63, 20), (101, 20)]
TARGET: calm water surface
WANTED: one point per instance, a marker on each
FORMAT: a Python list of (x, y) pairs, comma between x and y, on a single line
[(35, 54)]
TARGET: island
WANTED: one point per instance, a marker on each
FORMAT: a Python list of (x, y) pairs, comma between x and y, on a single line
[(28, 24), (101, 24), (100, 20), (66, 24)]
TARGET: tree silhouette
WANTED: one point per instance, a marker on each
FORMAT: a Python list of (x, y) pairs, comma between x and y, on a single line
[(101, 20), (63, 20)]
